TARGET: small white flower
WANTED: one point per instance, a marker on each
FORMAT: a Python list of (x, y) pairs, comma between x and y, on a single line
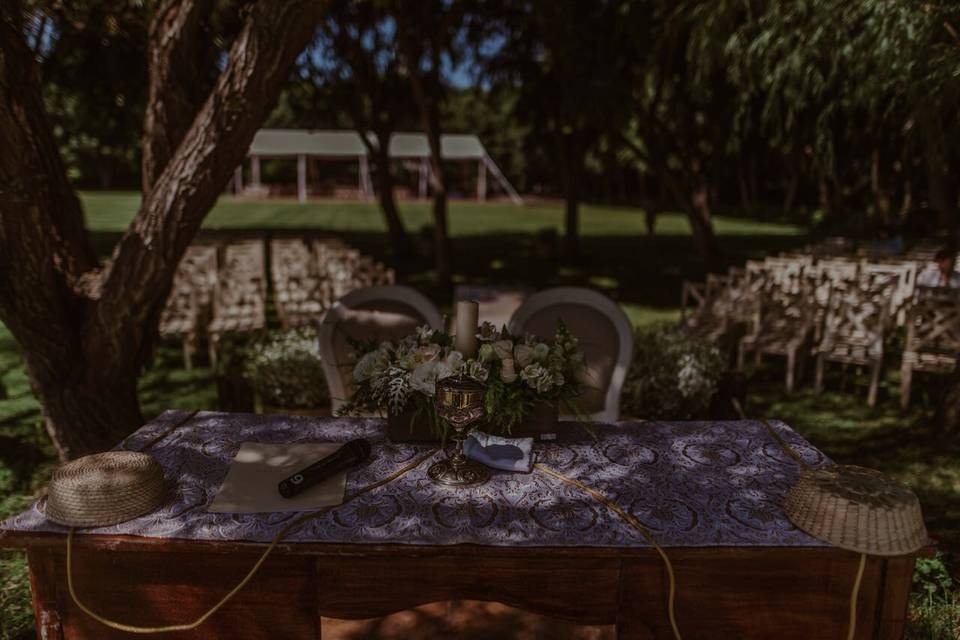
[(523, 354), (424, 334)]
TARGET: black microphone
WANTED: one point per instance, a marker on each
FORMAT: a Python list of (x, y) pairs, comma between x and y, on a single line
[(349, 455)]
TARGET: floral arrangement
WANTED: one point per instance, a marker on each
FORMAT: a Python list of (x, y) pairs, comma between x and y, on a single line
[(518, 372), (672, 376), (285, 369)]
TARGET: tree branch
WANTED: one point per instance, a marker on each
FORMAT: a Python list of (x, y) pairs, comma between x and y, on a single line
[(276, 31), (177, 89)]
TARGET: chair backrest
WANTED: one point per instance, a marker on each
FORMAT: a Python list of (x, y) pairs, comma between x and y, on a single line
[(856, 316), (605, 335), (898, 279), (240, 297), (385, 312), (933, 323), (290, 260), (197, 272)]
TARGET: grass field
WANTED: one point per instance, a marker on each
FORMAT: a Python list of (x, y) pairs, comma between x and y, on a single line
[(495, 243)]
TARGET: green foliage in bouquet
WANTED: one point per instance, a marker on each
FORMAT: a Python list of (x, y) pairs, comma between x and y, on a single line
[(672, 376), (285, 369), (518, 372)]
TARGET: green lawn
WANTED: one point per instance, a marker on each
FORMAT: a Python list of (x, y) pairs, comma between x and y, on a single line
[(495, 243)]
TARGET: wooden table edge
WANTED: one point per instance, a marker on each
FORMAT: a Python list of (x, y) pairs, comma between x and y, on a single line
[(32, 540)]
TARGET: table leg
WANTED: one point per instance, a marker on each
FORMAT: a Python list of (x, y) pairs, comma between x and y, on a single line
[(43, 591), (895, 590)]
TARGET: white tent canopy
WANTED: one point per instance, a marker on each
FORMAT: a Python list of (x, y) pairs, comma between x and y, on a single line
[(303, 143)]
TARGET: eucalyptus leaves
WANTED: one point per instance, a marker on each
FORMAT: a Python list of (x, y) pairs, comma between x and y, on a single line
[(519, 371)]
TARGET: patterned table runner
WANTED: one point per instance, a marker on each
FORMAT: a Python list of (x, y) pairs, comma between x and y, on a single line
[(692, 484)]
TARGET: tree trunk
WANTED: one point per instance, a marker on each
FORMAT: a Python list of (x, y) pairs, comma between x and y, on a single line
[(825, 192), (694, 199), (701, 221), (84, 333), (881, 195), (943, 193), (744, 183), (426, 99), (399, 238), (571, 161)]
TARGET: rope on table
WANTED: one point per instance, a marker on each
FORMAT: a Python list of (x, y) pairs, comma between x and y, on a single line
[(120, 626), (633, 522), (855, 592)]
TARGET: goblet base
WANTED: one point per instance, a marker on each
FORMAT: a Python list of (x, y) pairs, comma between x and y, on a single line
[(465, 474)]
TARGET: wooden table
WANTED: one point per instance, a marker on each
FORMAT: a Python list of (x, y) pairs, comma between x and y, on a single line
[(742, 571), (721, 592)]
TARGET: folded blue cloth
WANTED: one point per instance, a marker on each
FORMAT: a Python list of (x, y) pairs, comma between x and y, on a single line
[(508, 454)]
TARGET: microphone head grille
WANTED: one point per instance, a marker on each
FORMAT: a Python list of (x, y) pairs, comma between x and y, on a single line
[(360, 448)]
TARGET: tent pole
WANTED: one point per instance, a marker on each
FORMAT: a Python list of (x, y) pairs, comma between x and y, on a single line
[(502, 180), (255, 171), (366, 189), (238, 180), (302, 178)]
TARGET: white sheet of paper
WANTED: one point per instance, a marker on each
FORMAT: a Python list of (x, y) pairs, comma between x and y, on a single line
[(257, 469)]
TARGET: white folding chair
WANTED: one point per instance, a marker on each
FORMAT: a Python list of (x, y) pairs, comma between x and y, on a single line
[(605, 334)]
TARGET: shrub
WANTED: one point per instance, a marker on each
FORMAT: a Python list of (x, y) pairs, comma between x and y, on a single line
[(934, 604), (285, 369), (672, 376)]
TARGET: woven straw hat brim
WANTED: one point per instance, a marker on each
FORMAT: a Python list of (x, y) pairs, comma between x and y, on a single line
[(104, 489), (857, 509)]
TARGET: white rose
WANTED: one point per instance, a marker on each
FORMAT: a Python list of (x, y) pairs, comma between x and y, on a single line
[(507, 373), (523, 355), (450, 366), (424, 378), (503, 349), (477, 371)]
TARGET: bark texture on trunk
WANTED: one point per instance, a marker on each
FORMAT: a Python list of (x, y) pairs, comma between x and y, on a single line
[(178, 63), (85, 333)]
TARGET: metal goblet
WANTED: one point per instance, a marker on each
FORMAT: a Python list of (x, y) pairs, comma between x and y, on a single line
[(460, 403)]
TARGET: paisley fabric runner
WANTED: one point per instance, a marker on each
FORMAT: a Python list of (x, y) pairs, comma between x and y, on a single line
[(691, 484)]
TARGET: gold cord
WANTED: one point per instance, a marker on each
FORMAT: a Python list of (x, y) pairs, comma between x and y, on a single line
[(632, 521), (852, 626), (773, 433), (273, 543)]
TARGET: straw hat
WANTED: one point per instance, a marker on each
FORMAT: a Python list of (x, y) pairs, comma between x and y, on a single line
[(104, 489), (857, 509)]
